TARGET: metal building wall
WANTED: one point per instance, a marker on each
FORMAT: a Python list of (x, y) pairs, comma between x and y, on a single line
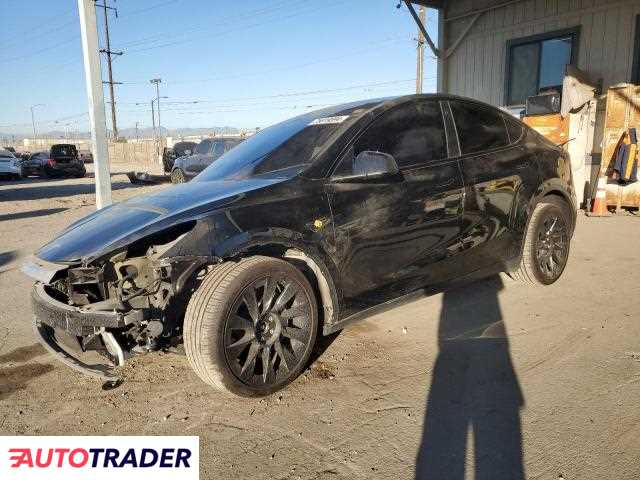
[(476, 68)]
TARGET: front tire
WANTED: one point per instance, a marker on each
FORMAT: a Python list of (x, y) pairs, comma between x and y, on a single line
[(177, 176), (547, 242), (250, 327)]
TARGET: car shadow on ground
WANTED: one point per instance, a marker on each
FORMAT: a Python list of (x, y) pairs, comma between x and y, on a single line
[(474, 391), (43, 212)]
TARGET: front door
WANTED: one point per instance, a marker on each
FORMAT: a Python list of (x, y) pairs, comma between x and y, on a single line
[(398, 228)]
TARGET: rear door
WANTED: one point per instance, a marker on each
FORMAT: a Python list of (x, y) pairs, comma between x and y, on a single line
[(35, 161), (399, 228), (217, 150), (497, 174)]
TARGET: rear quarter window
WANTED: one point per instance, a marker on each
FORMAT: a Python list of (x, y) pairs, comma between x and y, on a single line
[(479, 128)]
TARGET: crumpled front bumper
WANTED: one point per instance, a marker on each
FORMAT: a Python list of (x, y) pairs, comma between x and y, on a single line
[(52, 320)]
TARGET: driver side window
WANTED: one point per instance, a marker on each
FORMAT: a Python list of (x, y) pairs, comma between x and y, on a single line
[(412, 133)]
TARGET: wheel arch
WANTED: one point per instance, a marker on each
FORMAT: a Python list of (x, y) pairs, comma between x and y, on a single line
[(318, 269), (555, 188), (550, 188)]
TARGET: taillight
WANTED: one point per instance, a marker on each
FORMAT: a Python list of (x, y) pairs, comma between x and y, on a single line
[(51, 162)]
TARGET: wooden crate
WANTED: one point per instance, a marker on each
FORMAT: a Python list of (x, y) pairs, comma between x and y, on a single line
[(622, 113), (553, 126)]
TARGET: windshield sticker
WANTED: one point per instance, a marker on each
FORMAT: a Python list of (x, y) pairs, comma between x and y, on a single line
[(329, 120)]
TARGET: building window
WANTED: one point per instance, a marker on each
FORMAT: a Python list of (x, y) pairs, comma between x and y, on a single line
[(635, 74), (538, 63)]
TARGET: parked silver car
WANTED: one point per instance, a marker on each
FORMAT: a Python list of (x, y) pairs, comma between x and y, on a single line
[(10, 165)]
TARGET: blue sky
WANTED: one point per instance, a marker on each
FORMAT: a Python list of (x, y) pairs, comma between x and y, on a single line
[(247, 63)]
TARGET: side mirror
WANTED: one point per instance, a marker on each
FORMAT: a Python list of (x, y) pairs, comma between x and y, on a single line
[(370, 165)]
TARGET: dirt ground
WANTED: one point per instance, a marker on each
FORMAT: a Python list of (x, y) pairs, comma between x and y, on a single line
[(507, 380)]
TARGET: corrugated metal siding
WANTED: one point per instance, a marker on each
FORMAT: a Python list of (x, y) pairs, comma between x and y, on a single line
[(476, 68)]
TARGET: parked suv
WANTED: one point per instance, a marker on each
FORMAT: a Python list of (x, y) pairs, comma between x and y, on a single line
[(180, 149), (205, 153), (300, 230), (61, 160)]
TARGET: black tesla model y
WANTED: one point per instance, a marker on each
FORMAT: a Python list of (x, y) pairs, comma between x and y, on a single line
[(303, 228)]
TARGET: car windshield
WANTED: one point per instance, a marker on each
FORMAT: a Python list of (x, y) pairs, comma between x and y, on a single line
[(287, 147)]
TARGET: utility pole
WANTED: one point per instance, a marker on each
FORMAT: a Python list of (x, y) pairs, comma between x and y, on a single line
[(95, 97), (33, 121), (137, 137), (157, 82), (153, 119), (420, 52), (109, 53)]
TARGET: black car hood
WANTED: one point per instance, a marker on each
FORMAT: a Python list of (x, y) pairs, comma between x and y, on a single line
[(118, 225)]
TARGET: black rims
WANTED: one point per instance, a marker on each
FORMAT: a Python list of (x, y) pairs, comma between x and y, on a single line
[(269, 330), (552, 245)]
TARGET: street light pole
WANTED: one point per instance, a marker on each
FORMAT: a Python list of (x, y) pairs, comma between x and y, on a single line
[(95, 97), (157, 82)]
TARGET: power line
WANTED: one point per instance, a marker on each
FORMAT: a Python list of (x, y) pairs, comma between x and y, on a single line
[(42, 50), (183, 106), (311, 92), (221, 22), (223, 102), (244, 27), (375, 47), (150, 7), (109, 53), (21, 40)]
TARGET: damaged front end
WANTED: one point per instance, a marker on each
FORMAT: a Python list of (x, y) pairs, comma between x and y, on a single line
[(94, 314)]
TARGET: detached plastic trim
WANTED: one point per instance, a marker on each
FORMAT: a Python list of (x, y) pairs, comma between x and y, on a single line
[(45, 335)]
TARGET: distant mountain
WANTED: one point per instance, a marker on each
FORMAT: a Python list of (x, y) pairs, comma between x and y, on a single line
[(125, 133)]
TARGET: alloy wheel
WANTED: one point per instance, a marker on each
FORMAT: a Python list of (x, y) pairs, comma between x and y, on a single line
[(552, 246), (268, 330)]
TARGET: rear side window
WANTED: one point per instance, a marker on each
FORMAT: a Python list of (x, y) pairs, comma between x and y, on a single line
[(478, 128), (514, 128), (203, 147), (412, 133)]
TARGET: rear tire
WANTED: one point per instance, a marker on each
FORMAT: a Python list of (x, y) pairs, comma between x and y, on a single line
[(547, 242), (177, 176), (250, 327)]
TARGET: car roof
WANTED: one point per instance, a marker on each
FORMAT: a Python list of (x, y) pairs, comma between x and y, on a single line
[(386, 102)]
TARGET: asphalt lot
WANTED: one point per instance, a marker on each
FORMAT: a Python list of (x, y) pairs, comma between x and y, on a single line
[(507, 380)]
